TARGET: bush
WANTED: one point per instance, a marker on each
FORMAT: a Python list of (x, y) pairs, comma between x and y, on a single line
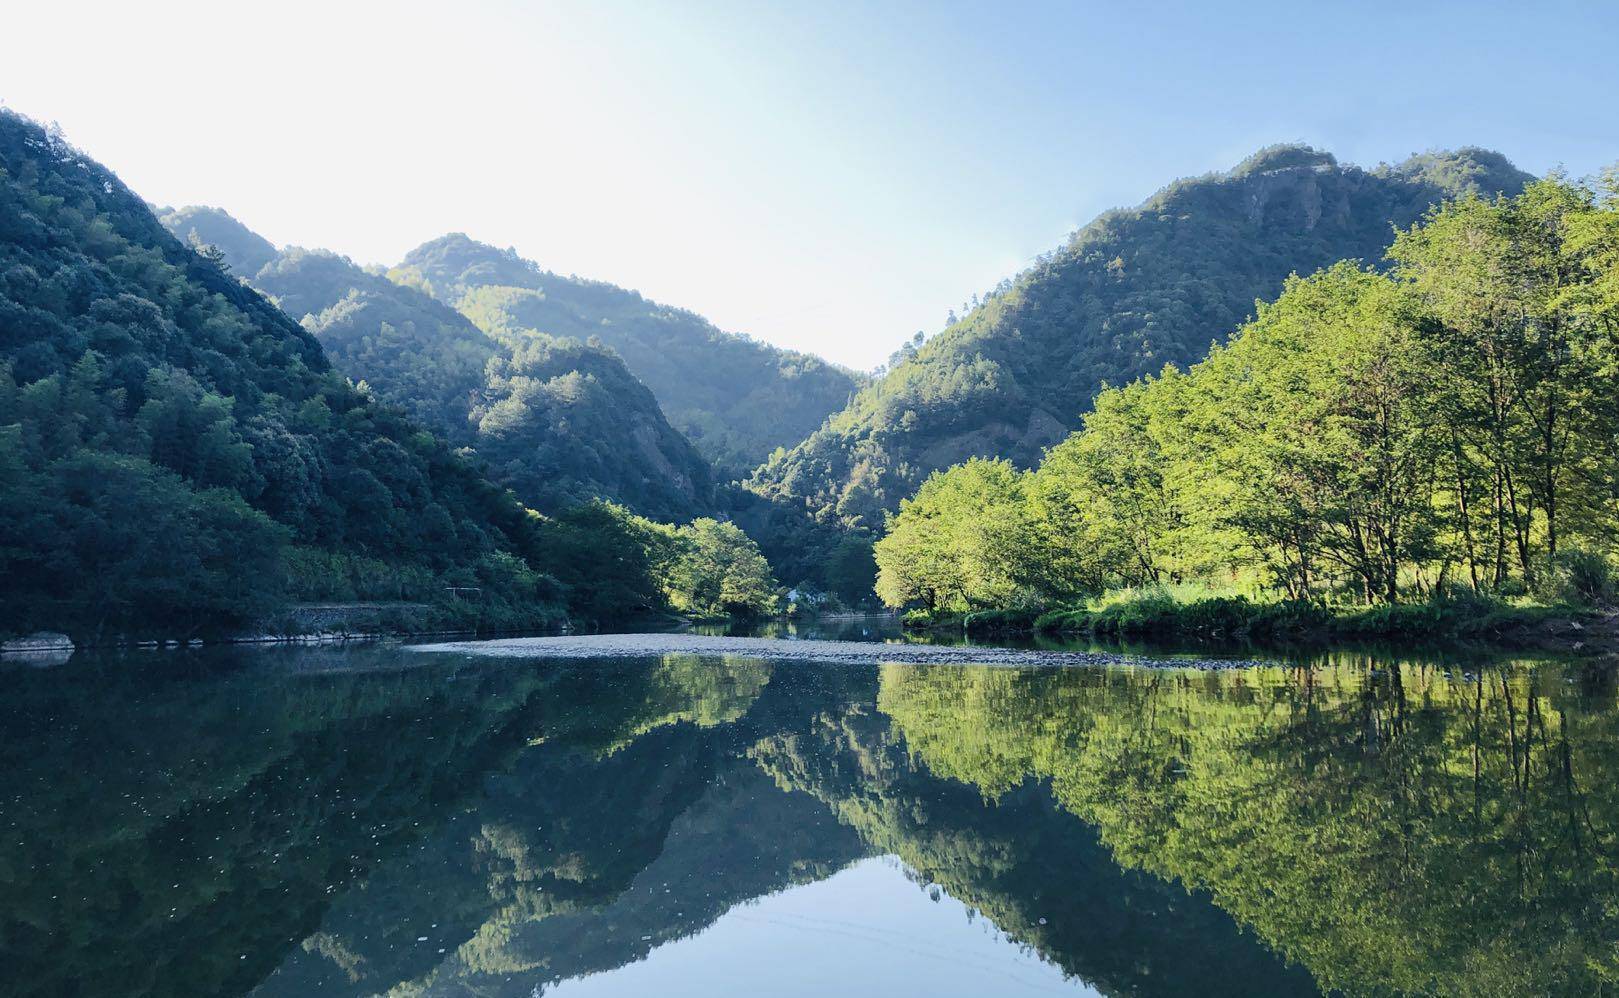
[(1577, 576), (1154, 611), (1063, 622), (988, 622), (929, 620), (1456, 613), (1399, 620)]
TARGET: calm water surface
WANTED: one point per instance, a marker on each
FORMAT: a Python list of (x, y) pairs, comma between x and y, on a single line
[(373, 821)]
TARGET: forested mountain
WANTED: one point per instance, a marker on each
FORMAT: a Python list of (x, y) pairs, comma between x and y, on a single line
[(556, 420), (244, 250), (736, 399), (1129, 293), (176, 453)]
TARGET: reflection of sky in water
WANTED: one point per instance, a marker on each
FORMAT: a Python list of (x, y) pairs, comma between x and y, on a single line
[(868, 929)]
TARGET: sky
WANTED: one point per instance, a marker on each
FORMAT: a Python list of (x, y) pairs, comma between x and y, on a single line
[(828, 177)]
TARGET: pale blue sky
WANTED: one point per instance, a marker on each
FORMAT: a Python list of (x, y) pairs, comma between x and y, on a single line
[(826, 176)]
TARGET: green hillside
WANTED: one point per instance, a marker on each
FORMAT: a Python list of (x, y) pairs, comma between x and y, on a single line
[(245, 251), (556, 420), (1129, 293), (735, 398), (177, 456)]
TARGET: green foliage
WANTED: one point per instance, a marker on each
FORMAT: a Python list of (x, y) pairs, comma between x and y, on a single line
[(1128, 294), (990, 623), (564, 422), (717, 570), (1579, 576), (165, 432), (612, 561), (959, 543), (735, 398), (804, 550), (1156, 613), (1366, 438), (110, 540), (850, 569)]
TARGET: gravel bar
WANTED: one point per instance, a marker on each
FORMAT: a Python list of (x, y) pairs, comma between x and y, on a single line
[(584, 646)]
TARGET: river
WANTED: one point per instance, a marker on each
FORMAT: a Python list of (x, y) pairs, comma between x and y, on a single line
[(228, 821)]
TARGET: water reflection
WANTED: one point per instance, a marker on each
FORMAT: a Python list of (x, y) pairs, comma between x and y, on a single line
[(362, 822)]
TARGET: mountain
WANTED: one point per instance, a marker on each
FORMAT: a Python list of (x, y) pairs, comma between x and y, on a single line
[(735, 398), (1129, 293), (178, 456), (556, 420), (245, 250)]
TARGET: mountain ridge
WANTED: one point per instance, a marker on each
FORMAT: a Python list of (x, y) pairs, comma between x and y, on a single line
[(1132, 291), (735, 397), (559, 421)]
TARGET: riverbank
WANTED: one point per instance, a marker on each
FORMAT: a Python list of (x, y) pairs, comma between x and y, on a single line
[(590, 646), (1236, 621)]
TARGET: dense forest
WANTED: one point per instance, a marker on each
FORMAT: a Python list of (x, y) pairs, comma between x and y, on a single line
[(177, 456), (557, 420), (1448, 423), (1129, 293), (735, 398)]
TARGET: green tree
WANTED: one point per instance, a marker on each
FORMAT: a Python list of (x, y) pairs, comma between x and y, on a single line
[(962, 542), (716, 569), (1519, 351)]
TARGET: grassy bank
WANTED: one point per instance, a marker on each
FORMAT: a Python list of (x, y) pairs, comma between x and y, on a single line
[(1223, 619)]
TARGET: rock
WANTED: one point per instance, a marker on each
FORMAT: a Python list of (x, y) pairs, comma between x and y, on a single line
[(39, 641), (41, 649)]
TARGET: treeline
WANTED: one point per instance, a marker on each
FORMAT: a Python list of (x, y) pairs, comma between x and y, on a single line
[(622, 563), (1371, 436)]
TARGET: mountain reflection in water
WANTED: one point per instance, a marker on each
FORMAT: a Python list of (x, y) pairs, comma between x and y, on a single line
[(370, 821)]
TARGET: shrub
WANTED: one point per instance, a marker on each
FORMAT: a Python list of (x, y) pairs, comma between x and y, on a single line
[(923, 619), (999, 622), (1577, 576)]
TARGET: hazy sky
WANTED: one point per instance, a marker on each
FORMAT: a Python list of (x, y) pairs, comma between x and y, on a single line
[(824, 176)]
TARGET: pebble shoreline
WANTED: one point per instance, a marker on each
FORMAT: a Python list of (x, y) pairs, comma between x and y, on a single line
[(586, 646)]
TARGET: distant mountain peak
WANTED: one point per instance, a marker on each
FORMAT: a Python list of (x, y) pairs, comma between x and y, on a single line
[(246, 252), (1467, 170)]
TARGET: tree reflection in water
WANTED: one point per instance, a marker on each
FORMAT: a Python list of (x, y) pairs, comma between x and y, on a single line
[(355, 822)]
